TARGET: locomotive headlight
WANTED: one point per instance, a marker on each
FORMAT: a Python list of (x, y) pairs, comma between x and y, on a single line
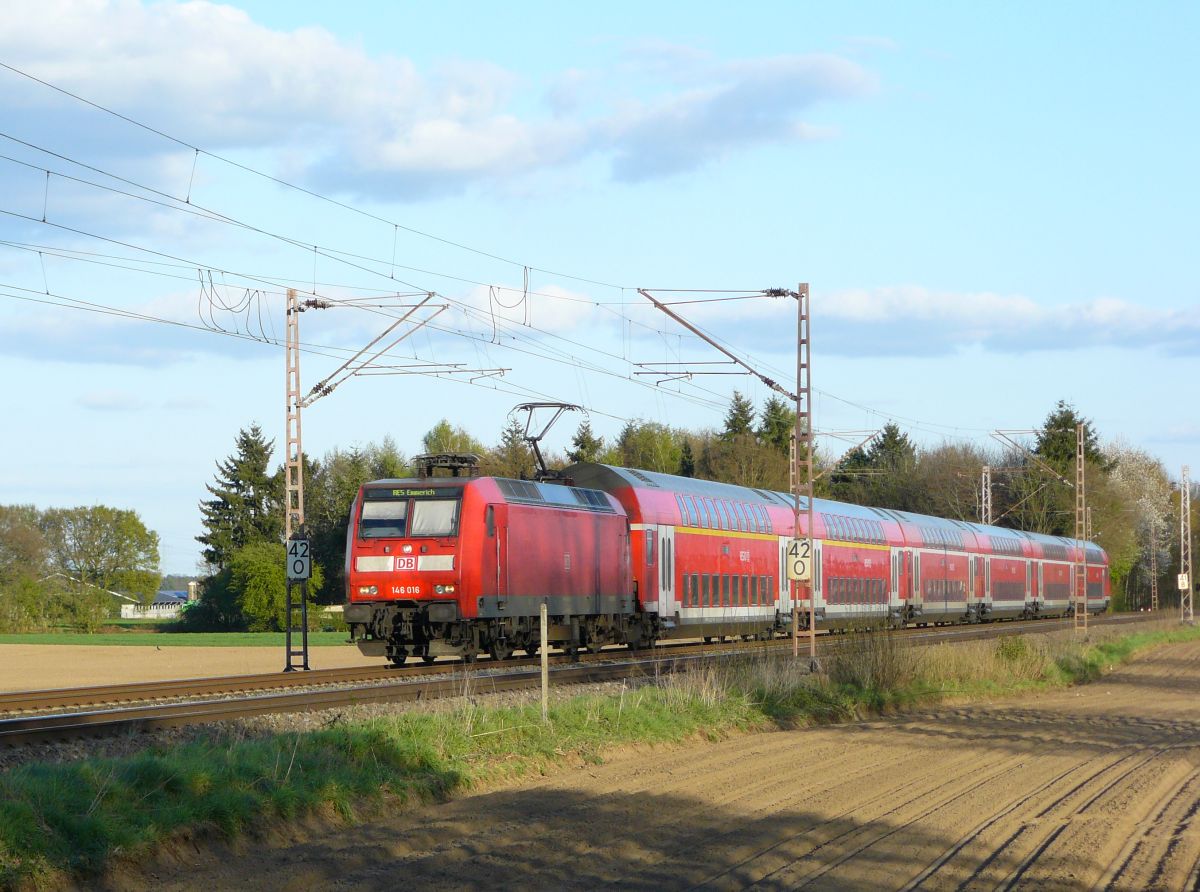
[(368, 590), (407, 549), (439, 589), (449, 589)]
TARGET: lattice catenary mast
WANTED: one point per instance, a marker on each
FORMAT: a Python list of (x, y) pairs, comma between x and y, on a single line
[(803, 483), (1081, 611), (293, 506), (985, 496), (1185, 548), (1153, 565)]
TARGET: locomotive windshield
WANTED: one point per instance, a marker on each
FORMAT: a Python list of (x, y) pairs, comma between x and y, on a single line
[(384, 519), (435, 518), (398, 513)]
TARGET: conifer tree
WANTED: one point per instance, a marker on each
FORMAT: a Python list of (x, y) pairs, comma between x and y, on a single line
[(247, 503), (740, 417), (587, 444)]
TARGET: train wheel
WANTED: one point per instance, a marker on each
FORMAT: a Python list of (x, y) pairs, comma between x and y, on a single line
[(499, 651), (470, 657), (708, 639), (398, 659)]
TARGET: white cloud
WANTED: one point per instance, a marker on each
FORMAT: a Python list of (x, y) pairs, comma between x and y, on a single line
[(111, 401), (917, 321), (210, 74)]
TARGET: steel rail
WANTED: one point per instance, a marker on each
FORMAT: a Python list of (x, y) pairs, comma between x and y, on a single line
[(130, 720), (17, 702)]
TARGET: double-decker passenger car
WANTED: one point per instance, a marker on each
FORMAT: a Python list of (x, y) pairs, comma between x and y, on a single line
[(459, 566)]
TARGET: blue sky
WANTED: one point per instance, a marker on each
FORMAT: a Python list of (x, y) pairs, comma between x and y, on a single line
[(994, 204)]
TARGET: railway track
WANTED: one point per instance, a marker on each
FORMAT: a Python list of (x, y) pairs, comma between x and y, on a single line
[(383, 684)]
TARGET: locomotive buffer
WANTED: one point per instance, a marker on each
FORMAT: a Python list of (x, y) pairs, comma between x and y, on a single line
[(299, 571)]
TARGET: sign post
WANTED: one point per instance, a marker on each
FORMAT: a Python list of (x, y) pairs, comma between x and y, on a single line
[(299, 571)]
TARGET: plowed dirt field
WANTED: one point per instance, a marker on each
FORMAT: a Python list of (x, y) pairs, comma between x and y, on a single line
[(25, 667), (1090, 788)]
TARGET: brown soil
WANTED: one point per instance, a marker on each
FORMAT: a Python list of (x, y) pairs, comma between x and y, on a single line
[(1089, 788), (25, 667)]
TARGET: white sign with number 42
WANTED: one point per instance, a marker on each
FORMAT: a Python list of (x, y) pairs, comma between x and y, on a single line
[(299, 560), (799, 559)]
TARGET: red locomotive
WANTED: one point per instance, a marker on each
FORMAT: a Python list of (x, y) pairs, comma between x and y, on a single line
[(461, 565)]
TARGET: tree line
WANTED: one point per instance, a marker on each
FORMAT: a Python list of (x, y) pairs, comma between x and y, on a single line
[(72, 567), (1129, 491)]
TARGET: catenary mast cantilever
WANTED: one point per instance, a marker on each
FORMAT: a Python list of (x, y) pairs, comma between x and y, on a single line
[(802, 455)]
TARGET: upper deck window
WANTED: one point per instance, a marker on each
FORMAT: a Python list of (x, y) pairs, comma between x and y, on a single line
[(384, 519)]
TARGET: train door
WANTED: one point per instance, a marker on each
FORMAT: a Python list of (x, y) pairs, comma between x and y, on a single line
[(816, 581), (493, 571), (648, 585), (1030, 594), (917, 597), (666, 574)]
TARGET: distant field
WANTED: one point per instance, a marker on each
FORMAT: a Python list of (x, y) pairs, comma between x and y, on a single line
[(173, 639)]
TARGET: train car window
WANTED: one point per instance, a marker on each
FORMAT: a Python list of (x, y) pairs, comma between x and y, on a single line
[(682, 510), (724, 513), (670, 559), (753, 591), (436, 517), (734, 591), (704, 590), (695, 589), (383, 518), (724, 590), (649, 548), (716, 590), (740, 517), (489, 520)]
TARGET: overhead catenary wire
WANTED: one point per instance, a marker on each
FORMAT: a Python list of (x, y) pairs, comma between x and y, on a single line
[(197, 150), (396, 227)]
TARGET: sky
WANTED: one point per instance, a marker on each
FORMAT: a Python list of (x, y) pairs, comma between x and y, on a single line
[(993, 205)]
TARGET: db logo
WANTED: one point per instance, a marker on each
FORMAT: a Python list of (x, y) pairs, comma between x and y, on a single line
[(406, 563)]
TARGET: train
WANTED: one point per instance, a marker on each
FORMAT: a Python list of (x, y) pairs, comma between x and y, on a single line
[(461, 565)]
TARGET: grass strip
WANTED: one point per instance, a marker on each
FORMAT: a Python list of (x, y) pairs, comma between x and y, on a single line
[(70, 819)]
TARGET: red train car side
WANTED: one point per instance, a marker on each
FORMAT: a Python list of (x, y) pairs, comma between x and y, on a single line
[(459, 566)]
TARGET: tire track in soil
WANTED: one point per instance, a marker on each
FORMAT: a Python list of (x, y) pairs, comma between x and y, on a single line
[(786, 877), (885, 794), (990, 822), (1146, 847), (1037, 835)]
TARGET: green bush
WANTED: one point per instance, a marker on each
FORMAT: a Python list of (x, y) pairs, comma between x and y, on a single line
[(1012, 648)]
